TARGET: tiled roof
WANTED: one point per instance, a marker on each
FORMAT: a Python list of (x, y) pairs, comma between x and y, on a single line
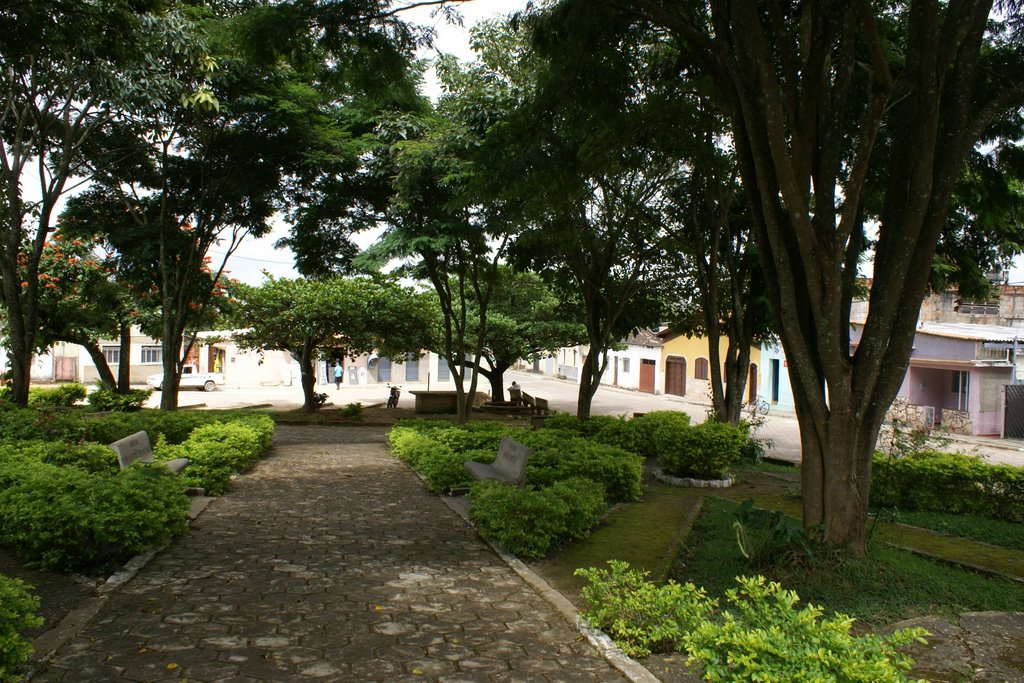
[(643, 337)]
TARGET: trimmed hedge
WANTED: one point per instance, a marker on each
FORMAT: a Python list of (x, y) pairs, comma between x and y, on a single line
[(437, 453), (17, 614), (68, 506), (68, 519), (63, 396), (218, 451), (530, 522), (948, 482), (706, 451)]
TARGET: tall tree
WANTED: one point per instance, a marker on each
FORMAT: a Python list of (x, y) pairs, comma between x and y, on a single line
[(82, 303), (590, 154), (358, 315), (527, 321), (70, 68), (810, 88), (721, 275)]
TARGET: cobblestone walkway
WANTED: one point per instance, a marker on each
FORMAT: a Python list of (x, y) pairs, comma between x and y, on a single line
[(329, 562)]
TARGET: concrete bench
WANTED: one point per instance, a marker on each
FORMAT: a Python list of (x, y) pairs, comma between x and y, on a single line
[(136, 448), (538, 406), (508, 467)]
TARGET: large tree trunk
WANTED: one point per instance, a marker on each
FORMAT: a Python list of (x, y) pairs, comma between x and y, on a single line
[(106, 376), (307, 378), (590, 380), (124, 367)]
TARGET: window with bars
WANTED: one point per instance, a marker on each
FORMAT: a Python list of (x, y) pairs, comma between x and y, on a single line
[(112, 354), (152, 355)]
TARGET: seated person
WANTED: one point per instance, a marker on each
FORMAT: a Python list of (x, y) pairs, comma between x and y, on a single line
[(515, 394)]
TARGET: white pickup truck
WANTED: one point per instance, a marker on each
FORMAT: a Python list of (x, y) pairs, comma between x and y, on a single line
[(191, 378)]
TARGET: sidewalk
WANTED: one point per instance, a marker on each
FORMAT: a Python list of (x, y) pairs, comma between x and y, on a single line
[(330, 562)]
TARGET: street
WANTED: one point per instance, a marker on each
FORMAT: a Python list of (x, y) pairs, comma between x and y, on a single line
[(781, 429)]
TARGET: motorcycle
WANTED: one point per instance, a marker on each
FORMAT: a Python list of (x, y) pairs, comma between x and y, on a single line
[(393, 396)]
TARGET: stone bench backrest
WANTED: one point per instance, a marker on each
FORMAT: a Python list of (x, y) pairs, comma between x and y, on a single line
[(133, 447), (136, 448), (508, 467)]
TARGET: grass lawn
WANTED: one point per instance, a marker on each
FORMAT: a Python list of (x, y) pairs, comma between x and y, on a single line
[(886, 586), (981, 529)]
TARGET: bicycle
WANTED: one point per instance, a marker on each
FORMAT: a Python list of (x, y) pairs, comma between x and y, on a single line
[(758, 406)]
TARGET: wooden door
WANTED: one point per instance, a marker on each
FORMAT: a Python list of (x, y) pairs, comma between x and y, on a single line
[(675, 376), (647, 376)]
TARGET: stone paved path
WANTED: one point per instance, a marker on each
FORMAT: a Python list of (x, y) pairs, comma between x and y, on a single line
[(329, 562)]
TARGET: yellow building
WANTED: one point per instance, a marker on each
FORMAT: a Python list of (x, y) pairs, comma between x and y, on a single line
[(685, 369)]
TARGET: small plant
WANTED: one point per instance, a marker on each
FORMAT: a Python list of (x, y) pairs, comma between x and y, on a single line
[(105, 399), (17, 614), (319, 400), (352, 410), (530, 522), (769, 636), (640, 616), (781, 538), (63, 396)]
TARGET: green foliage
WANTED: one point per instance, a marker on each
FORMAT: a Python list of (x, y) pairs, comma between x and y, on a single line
[(63, 396), (88, 457), (570, 423), (780, 537), (639, 615), (948, 482), (656, 433), (17, 614), (67, 519), (216, 452), (443, 470), (484, 435), (561, 455), (705, 451), (105, 399), (556, 455), (768, 636), (413, 447), (529, 522), (352, 410)]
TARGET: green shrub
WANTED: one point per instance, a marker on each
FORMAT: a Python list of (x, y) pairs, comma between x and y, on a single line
[(66, 519), (586, 501), (948, 482), (476, 436), (90, 457), (444, 470), (557, 455), (530, 522), (770, 637), (413, 447), (588, 428), (655, 433), (17, 614), (352, 410), (63, 396), (216, 452), (706, 451), (107, 400), (642, 617)]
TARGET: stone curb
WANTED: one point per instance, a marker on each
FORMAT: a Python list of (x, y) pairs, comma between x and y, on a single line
[(630, 668), (689, 482)]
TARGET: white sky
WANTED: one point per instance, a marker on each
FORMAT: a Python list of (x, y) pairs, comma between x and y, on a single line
[(254, 256)]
